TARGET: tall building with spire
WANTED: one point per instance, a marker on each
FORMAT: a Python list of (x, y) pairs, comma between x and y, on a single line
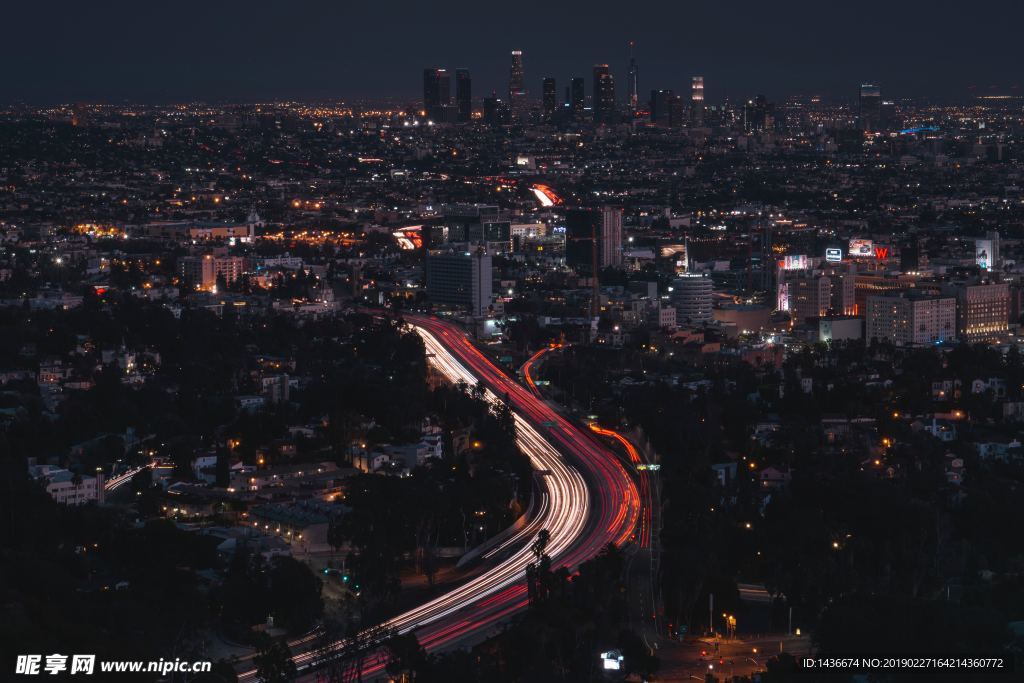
[(632, 86)]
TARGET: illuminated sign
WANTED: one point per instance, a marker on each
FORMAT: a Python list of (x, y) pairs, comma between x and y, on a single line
[(861, 248), (791, 262), (612, 660), (833, 254), (782, 297), (983, 253), (881, 253)]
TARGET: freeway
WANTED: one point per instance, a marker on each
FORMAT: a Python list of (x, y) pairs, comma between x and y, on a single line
[(527, 369), (588, 500), (643, 562), (117, 482)]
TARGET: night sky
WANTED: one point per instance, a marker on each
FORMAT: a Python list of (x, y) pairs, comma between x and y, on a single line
[(227, 50)]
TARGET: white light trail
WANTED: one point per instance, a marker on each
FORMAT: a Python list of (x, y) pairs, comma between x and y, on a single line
[(564, 512)]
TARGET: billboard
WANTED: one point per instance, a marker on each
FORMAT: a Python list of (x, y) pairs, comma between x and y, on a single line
[(834, 254), (860, 248), (677, 254), (782, 296), (794, 262), (983, 253)]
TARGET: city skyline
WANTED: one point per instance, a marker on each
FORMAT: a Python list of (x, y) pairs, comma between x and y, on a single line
[(575, 342), (315, 51)]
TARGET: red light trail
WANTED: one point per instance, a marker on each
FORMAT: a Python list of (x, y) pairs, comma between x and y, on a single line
[(589, 500)]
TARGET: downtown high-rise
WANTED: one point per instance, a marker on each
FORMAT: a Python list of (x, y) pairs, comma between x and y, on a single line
[(604, 94), (437, 89), (463, 95)]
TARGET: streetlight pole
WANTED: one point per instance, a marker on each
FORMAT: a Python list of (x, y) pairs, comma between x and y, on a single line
[(711, 613)]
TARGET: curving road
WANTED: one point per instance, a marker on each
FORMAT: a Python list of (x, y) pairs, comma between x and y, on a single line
[(589, 500)]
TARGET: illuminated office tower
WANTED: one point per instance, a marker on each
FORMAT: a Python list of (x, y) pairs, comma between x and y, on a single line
[(611, 237), (516, 84), (436, 88), (464, 95), (632, 81), (809, 296), (576, 98), (870, 107), (604, 94), (460, 279), (697, 101), (983, 310), (549, 98)]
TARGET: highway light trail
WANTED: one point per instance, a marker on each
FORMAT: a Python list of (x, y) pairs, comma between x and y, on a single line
[(645, 483), (589, 500), (115, 483)]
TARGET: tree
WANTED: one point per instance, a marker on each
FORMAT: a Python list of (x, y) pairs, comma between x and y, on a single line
[(405, 654), (336, 533), (540, 543), (274, 661), (295, 598)]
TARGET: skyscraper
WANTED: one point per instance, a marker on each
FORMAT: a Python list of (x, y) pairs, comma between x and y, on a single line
[(464, 94), (633, 94), (496, 112), (697, 101), (758, 114), (887, 116), (611, 237), (604, 94), (576, 98), (870, 107), (549, 98), (516, 83), (659, 105), (436, 88)]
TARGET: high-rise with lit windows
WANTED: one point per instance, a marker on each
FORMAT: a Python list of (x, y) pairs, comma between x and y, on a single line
[(870, 107), (697, 101), (983, 310), (604, 94), (517, 83)]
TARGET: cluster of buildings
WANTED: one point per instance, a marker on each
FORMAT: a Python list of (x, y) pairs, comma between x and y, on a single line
[(714, 230)]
